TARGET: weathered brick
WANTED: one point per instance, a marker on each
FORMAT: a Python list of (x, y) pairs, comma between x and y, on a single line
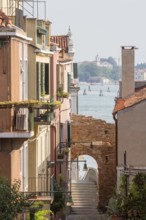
[(87, 131)]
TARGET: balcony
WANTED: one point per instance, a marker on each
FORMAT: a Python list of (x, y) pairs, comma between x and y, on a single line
[(39, 188), (44, 119), (17, 118)]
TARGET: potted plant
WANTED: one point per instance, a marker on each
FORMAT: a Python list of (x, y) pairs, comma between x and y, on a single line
[(61, 93), (65, 94), (48, 116), (66, 150), (60, 155), (115, 208)]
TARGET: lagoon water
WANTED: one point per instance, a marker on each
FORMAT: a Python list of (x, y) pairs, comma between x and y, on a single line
[(98, 101)]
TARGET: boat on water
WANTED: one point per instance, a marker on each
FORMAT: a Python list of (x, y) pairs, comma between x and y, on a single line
[(108, 89), (84, 93), (101, 93)]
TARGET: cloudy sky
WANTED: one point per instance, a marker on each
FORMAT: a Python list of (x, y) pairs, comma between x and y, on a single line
[(101, 26)]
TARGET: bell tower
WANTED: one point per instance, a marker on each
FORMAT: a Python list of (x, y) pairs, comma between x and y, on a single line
[(71, 49)]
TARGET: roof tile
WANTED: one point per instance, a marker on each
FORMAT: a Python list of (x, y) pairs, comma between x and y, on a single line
[(61, 40), (137, 97)]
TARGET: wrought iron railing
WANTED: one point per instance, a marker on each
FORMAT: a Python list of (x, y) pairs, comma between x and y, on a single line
[(39, 186)]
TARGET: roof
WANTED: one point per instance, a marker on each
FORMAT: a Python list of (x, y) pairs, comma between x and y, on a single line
[(61, 40), (5, 21), (137, 97)]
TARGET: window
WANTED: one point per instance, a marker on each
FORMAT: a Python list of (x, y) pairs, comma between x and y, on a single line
[(42, 79)]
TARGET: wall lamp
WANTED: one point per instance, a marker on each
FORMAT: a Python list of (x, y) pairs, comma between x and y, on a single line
[(53, 163)]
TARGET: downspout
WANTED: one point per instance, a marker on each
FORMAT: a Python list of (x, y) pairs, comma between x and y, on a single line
[(54, 127), (116, 141), (60, 129)]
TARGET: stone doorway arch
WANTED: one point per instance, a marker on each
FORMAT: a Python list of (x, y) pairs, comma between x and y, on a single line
[(96, 139)]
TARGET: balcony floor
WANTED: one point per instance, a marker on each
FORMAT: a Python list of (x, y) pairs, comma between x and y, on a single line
[(16, 134)]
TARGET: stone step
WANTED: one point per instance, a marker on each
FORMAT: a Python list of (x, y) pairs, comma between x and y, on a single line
[(85, 204), (80, 204), (85, 198), (87, 217), (84, 185), (84, 210), (84, 189)]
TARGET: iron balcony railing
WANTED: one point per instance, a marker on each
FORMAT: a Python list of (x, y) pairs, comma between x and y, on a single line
[(40, 186)]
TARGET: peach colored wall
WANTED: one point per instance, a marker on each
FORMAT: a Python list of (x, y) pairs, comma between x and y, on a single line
[(132, 135), (9, 78), (53, 74), (10, 158), (15, 164), (31, 74), (31, 29), (15, 71), (5, 164), (4, 72)]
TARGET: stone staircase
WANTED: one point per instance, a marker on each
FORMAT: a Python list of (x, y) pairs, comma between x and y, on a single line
[(85, 202)]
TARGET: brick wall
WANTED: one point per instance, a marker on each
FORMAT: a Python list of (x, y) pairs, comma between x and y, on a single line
[(96, 138)]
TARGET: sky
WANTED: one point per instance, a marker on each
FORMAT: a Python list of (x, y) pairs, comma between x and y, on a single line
[(101, 26)]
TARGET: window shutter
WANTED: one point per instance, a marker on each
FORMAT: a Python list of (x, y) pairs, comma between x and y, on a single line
[(69, 82), (75, 70), (38, 80), (46, 78), (69, 126), (42, 79)]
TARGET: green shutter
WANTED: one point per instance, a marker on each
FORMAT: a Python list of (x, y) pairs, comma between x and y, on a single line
[(46, 78), (38, 92), (42, 79), (69, 82), (69, 126), (75, 70)]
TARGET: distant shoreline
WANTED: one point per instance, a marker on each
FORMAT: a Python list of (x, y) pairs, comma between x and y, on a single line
[(87, 83)]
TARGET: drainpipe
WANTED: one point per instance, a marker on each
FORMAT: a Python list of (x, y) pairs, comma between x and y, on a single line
[(54, 127), (59, 127), (116, 140)]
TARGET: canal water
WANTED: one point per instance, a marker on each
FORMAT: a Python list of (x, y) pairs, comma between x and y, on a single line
[(97, 100)]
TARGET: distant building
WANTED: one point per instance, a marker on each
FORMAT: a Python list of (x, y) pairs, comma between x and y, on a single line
[(140, 74), (102, 62)]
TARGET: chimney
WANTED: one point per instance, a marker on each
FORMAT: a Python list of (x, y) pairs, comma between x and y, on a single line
[(128, 60)]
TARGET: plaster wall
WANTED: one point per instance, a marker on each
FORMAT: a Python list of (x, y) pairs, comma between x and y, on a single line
[(15, 71), (31, 73), (38, 155), (15, 164), (31, 29), (53, 74), (131, 135), (10, 79)]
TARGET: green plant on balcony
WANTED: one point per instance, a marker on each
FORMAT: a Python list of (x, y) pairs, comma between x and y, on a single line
[(34, 104), (60, 155), (48, 116), (61, 93), (66, 150), (65, 95)]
